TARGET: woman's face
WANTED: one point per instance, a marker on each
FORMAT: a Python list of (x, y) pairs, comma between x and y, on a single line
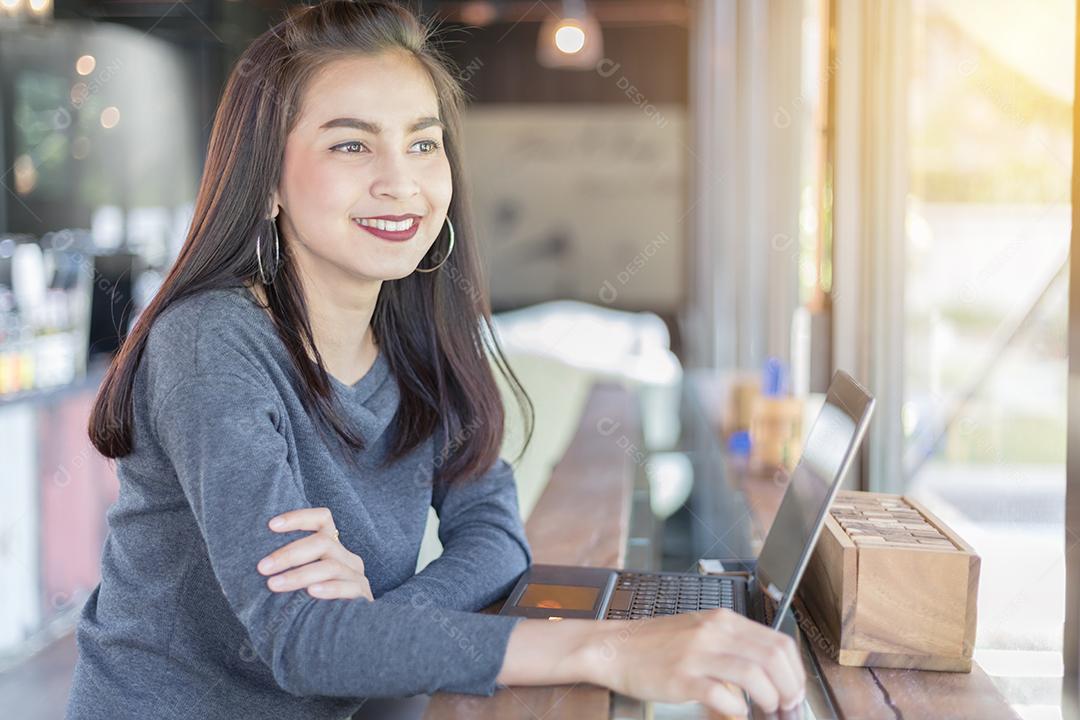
[(366, 144)]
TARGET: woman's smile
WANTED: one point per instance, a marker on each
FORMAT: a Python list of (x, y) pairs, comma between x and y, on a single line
[(390, 227)]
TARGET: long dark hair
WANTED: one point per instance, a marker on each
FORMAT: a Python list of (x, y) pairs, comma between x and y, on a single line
[(435, 328)]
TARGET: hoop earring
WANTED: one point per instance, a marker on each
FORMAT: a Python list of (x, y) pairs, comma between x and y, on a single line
[(277, 254), (448, 250)]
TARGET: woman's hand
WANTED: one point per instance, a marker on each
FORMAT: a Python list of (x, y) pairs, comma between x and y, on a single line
[(705, 657), (708, 657), (322, 564)]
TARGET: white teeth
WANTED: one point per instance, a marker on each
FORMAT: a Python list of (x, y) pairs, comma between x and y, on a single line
[(387, 224)]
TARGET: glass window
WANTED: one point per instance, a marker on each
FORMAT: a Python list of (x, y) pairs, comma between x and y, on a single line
[(985, 373)]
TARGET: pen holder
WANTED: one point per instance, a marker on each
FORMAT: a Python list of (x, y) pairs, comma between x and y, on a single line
[(890, 585)]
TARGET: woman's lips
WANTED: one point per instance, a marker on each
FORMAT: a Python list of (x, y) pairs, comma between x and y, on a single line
[(393, 235)]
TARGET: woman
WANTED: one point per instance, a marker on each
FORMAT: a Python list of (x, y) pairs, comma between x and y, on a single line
[(307, 382)]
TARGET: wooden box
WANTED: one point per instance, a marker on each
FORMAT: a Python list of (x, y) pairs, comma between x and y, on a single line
[(890, 585)]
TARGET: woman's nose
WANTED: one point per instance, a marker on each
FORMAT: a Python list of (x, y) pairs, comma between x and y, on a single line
[(394, 178)]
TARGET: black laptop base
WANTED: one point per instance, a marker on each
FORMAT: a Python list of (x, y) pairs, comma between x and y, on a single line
[(563, 591)]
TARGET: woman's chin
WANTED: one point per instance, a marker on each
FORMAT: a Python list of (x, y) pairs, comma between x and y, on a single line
[(385, 271)]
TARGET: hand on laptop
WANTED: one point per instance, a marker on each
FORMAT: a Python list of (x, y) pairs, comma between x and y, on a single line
[(700, 656), (322, 564)]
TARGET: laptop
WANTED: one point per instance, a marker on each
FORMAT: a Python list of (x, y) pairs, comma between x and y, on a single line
[(765, 592)]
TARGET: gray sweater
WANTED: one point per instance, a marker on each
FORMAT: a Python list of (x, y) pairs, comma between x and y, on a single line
[(182, 624)]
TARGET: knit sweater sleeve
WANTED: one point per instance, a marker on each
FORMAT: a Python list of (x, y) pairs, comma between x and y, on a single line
[(484, 546)]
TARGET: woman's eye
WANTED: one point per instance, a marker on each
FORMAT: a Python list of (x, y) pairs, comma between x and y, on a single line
[(348, 145), (430, 143)]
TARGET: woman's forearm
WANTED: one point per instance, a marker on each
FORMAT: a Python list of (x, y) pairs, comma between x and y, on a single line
[(547, 652)]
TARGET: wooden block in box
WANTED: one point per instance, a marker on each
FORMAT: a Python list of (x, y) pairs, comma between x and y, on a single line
[(890, 585)]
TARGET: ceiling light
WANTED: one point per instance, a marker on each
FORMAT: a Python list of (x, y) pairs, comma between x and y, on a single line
[(570, 40)]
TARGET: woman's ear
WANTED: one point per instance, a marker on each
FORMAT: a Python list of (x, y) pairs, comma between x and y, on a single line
[(275, 205)]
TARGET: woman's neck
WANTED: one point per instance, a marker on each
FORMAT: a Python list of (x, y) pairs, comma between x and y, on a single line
[(341, 330)]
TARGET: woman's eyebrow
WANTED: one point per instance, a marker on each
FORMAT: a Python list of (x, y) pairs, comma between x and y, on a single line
[(374, 128)]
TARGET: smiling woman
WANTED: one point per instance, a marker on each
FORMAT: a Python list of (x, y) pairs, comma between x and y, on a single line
[(319, 352)]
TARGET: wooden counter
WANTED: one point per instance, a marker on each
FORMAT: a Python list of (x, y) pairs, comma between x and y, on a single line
[(582, 518)]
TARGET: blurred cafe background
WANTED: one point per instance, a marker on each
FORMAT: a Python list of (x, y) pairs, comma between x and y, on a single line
[(762, 189)]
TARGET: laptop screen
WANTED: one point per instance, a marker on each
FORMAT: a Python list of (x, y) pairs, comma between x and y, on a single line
[(830, 445)]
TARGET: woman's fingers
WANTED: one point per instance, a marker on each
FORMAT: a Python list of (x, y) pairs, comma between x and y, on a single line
[(788, 675), (762, 672), (722, 698), (776, 654), (763, 635), (341, 589), (308, 549), (319, 521), (323, 579), (314, 519), (310, 574), (317, 562), (749, 676)]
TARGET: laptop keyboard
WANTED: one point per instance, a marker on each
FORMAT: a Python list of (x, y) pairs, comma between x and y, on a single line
[(642, 595)]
